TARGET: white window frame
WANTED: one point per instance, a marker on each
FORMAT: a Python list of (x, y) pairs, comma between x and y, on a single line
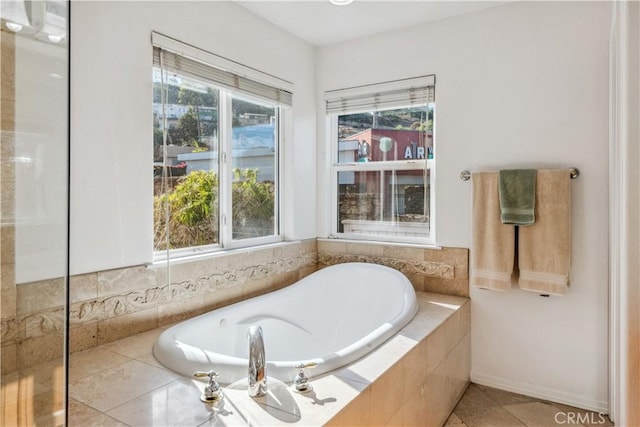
[(428, 165), (226, 171), (225, 152)]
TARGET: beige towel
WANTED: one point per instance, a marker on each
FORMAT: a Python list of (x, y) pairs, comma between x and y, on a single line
[(544, 248), (493, 249)]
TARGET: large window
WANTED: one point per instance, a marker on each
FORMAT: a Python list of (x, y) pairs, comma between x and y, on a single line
[(383, 165), (217, 140)]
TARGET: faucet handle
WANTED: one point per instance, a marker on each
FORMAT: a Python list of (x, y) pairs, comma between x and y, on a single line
[(303, 366), (301, 381), (210, 374), (212, 392)]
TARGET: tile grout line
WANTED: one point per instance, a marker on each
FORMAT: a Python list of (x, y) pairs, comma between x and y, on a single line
[(133, 398)]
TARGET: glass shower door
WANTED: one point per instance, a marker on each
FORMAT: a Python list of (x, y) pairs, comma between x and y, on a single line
[(33, 211)]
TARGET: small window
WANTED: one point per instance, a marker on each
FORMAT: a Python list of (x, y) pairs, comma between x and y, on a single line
[(383, 169), (216, 157)]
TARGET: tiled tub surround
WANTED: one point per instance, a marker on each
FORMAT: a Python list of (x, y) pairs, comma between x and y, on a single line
[(413, 379), (438, 270), (114, 304), (110, 305)]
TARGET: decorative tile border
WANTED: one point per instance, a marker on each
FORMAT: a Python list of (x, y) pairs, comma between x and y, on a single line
[(16, 329), (425, 268), (117, 305), (32, 326)]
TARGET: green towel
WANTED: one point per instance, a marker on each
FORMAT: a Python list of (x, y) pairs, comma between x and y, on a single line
[(517, 196)]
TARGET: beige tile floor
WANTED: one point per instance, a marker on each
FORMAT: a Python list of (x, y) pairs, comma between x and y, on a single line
[(485, 406), (121, 384)]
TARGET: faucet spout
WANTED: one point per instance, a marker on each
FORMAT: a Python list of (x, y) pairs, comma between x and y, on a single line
[(257, 363)]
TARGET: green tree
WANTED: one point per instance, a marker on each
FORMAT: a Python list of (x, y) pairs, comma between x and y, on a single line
[(253, 204), (193, 212), (241, 107), (193, 199), (186, 131), (422, 126), (172, 93), (157, 131), (193, 209)]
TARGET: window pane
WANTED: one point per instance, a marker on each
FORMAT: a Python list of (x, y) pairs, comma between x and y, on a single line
[(186, 189), (254, 163), (400, 134), (392, 203)]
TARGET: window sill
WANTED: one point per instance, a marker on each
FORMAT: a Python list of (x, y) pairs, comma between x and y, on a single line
[(369, 241), (218, 254)]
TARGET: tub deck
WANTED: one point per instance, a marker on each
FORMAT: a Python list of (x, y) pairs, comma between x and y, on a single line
[(413, 379)]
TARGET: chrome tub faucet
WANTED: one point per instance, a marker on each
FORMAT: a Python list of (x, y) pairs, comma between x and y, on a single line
[(257, 363)]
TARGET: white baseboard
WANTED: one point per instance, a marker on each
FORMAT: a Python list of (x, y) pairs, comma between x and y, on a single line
[(541, 393)]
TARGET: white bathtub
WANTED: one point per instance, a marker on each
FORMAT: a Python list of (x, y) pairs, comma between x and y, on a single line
[(332, 317)]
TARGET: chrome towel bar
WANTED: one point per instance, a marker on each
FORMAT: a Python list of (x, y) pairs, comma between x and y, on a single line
[(574, 173)]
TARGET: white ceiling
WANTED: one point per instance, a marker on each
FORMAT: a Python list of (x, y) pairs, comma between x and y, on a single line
[(322, 23)]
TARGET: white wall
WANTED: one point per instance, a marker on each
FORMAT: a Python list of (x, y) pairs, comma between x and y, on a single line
[(111, 115), (522, 84)]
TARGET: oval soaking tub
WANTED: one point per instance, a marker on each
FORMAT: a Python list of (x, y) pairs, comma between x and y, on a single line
[(332, 317)]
